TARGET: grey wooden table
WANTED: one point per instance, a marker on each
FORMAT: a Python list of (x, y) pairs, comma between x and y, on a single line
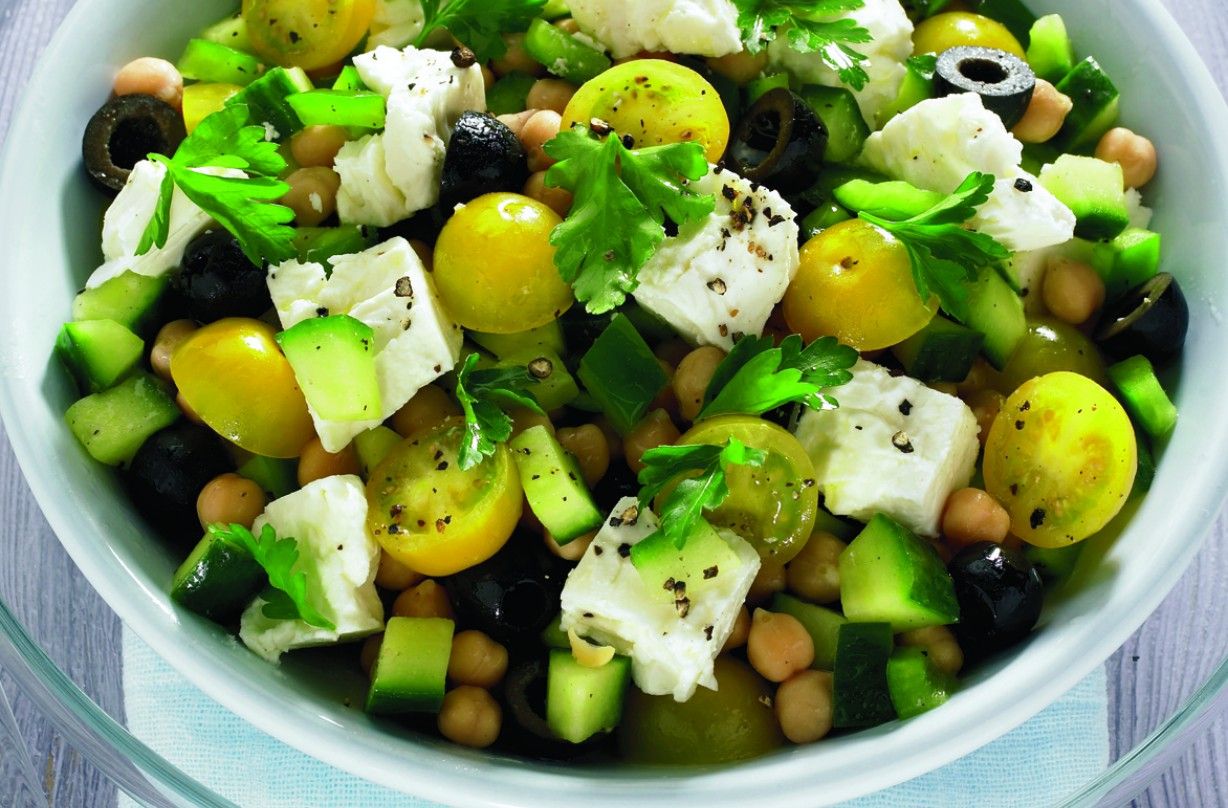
[(1146, 683)]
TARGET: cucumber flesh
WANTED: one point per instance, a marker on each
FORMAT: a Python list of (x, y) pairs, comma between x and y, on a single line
[(317, 244), (916, 686), (266, 97), (334, 363), (373, 446), (411, 671), (917, 86), (509, 94), (553, 635), (761, 86), (996, 311), (895, 200), (113, 424), (98, 352), (822, 624), (846, 129), (1143, 395), (943, 351), (129, 299), (218, 579), (1136, 260), (704, 558), (277, 477), (203, 60), (580, 701), (1050, 51), (548, 337), (1094, 190), (860, 694), (231, 32), (562, 54), (823, 217), (843, 529), (1096, 104), (553, 485), (555, 387)]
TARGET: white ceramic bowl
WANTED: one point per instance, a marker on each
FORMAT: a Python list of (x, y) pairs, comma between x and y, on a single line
[(49, 235)]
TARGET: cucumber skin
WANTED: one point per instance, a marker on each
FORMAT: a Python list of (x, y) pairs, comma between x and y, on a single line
[(915, 685), (145, 407), (846, 128), (218, 580), (1093, 190), (98, 352), (129, 299), (553, 485), (1050, 52), (943, 351), (410, 673), (580, 701), (860, 694), (1096, 103)]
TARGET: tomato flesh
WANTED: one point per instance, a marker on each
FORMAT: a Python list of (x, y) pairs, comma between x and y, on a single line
[(958, 28), (310, 34)]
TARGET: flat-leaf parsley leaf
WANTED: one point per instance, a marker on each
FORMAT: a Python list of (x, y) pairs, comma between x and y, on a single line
[(285, 598), (757, 377), (810, 26), (485, 396), (478, 23)]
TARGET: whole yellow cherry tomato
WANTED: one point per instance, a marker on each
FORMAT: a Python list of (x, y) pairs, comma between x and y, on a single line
[(855, 283), (955, 28), (494, 265), (655, 102), (233, 375), (434, 517), (306, 33)]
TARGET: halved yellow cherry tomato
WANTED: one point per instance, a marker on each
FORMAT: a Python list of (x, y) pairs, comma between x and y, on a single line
[(773, 506), (435, 518), (956, 28), (655, 102), (306, 33), (233, 375), (1061, 458)]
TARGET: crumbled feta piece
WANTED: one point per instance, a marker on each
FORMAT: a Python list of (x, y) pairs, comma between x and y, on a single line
[(390, 176), (606, 600), (890, 46), (700, 27), (386, 287), (720, 277), (328, 518), (1140, 214), (1022, 215), (1028, 269), (894, 446), (395, 24)]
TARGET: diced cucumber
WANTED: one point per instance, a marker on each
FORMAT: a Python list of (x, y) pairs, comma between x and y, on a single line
[(917, 86), (1143, 395), (1136, 260), (218, 579), (555, 9), (129, 299), (1054, 563), (358, 109), (203, 60), (580, 701), (822, 624), (411, 671), (318, 244), (1146, 474), (553, 635), (823, 217), (349, 80), (548, 337), (553, 485), (943, 351), (860, 695), (334, 363), (846, 129), (916, 686), (1050, 52), (564, 55), (276, 476), (996, 311), (621, 373), (373, 446), (701, 561), (1017, 17), (98, 352), (843, 529), (761, 86), (509, 94), (231, 32), (1038, 155), (555, 387), (1094, 190), (113, 424), (887, 574), (651, 327), (1096, 103), (266, 99), (896, 200)]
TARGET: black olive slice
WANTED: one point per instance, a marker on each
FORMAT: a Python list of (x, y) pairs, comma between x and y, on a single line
[(1003, 81), (217, 280), (1151, 320), (779, 142), (123, 132), (484, 156)]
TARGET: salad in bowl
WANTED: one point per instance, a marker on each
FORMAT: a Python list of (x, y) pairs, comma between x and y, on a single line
[(666, 381)]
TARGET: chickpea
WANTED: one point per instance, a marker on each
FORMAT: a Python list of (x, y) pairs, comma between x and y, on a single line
[(740, 67), (470, 717), (692, 378), (588, 444), (985, 404), (516, 120), (1134, 153), (314, 463), (672, 351), (543, 126), (187, 410), (476, 660), (971, 515), (568, 25), (150, 76), (370, 652), (815, 573), (557, 199), (803, 706), (229, 499), (517, 59), (979, 377), (1072, 290), (573, 550), (551, 94), (488, 77), (524, 418), (1045, 114), (655, 430), (312, 195), (317, 146), (741, 630), (939, 645), (393, 575), (666, 400), (172, 335), (612, 437), (778, 646), (427, 599), (429, 407), (770, 579), (425, 253), (950, 388)]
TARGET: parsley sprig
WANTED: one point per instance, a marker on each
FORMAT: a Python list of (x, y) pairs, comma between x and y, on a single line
[(285, 598), (757, 377), (243, 205), (485, 396), (810, 28), (944, 254), (622, 199), (703, 488), (478, 23)]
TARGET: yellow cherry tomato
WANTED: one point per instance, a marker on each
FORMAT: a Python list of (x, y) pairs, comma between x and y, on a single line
[(233, 375), (203, 99), (655, 102), (1061, 458), (434, 517), (494, 265), (855, 283), (306, 33), (955, 28)]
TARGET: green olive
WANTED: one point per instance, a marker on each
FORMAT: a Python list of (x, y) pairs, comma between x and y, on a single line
[(1050, 346)]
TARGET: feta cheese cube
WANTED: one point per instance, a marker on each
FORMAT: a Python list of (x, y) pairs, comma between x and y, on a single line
[(606, 600), (395, 23), (386, 287), (700, 27), (328, 518), (894, 446), (720, 277)]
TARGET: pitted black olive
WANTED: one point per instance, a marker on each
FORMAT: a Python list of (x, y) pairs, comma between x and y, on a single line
[(1004, 82), (1000, 595), (167, 475), (779, 142), (217, 280), (1151, 320), (484, 156), (123, 132)]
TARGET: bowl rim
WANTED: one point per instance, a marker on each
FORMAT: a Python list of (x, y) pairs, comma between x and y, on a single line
[(448, 776)]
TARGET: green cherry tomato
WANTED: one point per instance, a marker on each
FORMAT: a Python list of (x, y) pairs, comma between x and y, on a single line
[(1048, 346)]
